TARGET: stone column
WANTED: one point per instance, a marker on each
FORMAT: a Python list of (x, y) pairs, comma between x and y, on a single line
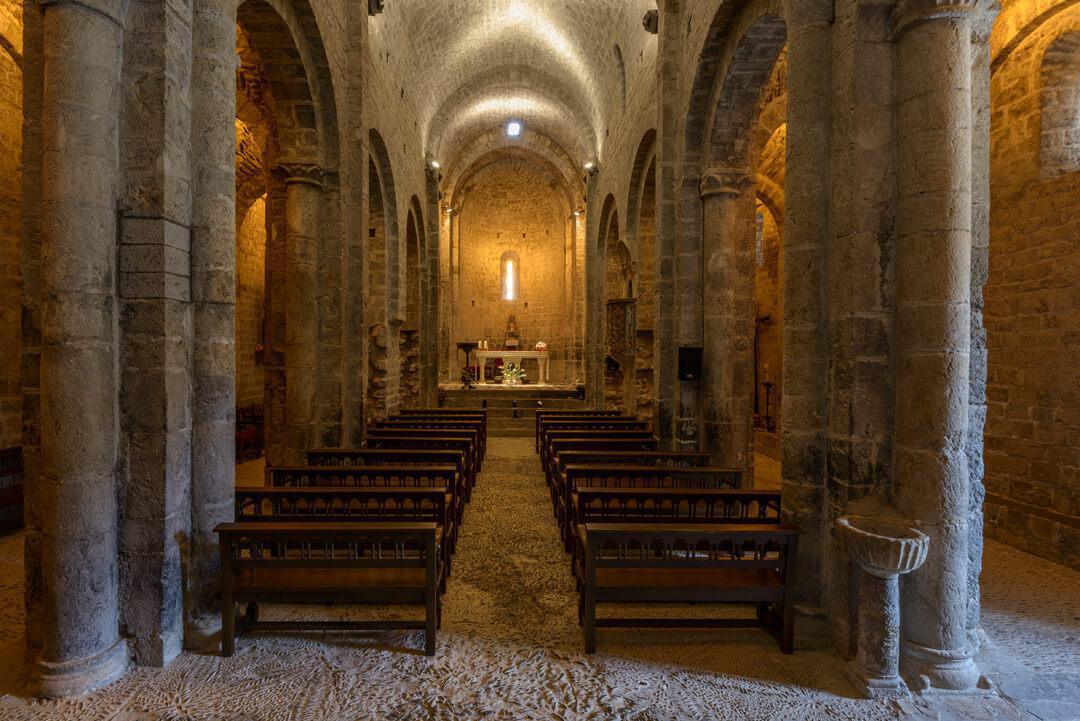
[(933, 333), (213, 291), (727, 315), (806, 350), (81, 646), (303, 191), (595, 309)]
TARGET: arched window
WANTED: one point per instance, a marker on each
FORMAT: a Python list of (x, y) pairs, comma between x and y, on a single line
[(511, 276)]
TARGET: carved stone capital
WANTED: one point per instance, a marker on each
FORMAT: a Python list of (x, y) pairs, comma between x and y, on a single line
[(912, 12), (307, 173), (731, 182)]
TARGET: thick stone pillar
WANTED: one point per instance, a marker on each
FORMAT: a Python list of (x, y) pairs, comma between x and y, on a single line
[(727, 314), (303, 191), (76, 490), (933, 334), (806, 239), (213, 295)]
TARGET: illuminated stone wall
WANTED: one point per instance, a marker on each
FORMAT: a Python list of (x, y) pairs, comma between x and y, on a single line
[(10, 222)]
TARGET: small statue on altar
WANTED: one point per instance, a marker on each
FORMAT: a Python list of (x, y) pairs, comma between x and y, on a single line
[(513, 335)]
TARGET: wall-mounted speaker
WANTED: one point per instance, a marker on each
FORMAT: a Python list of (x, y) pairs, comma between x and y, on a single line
[(690, 364)]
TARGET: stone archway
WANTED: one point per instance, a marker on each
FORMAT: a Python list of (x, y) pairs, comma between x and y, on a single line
[(642, 231), (384, 308)]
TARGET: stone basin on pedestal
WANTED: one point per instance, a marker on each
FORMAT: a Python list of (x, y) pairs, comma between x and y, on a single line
[(885, 546)]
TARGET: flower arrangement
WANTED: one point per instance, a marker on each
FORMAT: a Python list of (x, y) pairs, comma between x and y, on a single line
[(541, 345), (513, 374)]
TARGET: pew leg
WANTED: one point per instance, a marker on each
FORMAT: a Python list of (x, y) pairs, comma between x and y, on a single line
[(252, 614), (228, 625), (590, 621), (787, 630), (431, 623)]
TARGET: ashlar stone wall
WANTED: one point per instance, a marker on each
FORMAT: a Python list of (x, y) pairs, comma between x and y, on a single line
[(1033, 301), (10, 222)]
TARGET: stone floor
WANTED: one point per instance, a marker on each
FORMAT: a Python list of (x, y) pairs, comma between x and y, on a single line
[(510, 648)]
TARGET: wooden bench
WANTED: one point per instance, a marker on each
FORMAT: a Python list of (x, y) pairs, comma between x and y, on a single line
[(393, 457), (543, 414), (647, 477), (418, 438), (669, 505), (456, 424), (551, 437), (559, 446), (350, 563), (480, 413), (319, 504), (11, 489), (672, 459), (558, 423), (564, 412), (692, 563), (445, 478)]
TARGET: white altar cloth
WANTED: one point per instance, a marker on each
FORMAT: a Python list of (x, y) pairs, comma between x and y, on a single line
[(513, 356)]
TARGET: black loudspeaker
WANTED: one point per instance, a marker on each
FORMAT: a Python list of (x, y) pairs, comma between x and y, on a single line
[(690, 364)]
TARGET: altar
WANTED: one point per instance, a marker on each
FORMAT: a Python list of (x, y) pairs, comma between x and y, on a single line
[(513, 356)]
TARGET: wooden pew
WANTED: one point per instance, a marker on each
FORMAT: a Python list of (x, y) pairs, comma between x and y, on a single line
[(558, 446), (669, 505), (558, 423), (648, 477), (352, 563), (692, 563), (464, 444), (321, 504), (445, 413), (673, 459), (544, 413), (471, 435), (455, 424), (393, 457), (445, 478), (550, 437)]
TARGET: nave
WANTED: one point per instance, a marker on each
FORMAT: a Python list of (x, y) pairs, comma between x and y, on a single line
[(510, 647)]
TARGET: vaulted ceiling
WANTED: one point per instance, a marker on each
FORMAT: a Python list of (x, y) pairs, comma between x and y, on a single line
[(551, 64)]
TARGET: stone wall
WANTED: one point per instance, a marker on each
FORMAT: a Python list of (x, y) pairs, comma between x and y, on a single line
[(10, 222), (768, 296), (250, 298), (510, 209), (1033, 308)]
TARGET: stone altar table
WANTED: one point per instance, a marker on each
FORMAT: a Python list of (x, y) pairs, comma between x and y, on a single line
[(514, 356)]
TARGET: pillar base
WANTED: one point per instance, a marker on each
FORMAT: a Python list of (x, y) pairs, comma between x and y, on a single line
[(927, 669), (77, 678), (876, 688)]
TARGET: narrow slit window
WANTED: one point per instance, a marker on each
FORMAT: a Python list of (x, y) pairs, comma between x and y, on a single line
[(511, 269)]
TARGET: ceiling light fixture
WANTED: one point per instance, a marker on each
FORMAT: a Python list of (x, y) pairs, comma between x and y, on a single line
[(590, 166), (513, 128), (435, 164)]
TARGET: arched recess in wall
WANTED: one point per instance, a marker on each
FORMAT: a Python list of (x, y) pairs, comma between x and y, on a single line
[(286, 149), (383, 283), (410, 333), (727, 132), (641, 230), (1060, 108), (618, 313), (1032, 256)]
